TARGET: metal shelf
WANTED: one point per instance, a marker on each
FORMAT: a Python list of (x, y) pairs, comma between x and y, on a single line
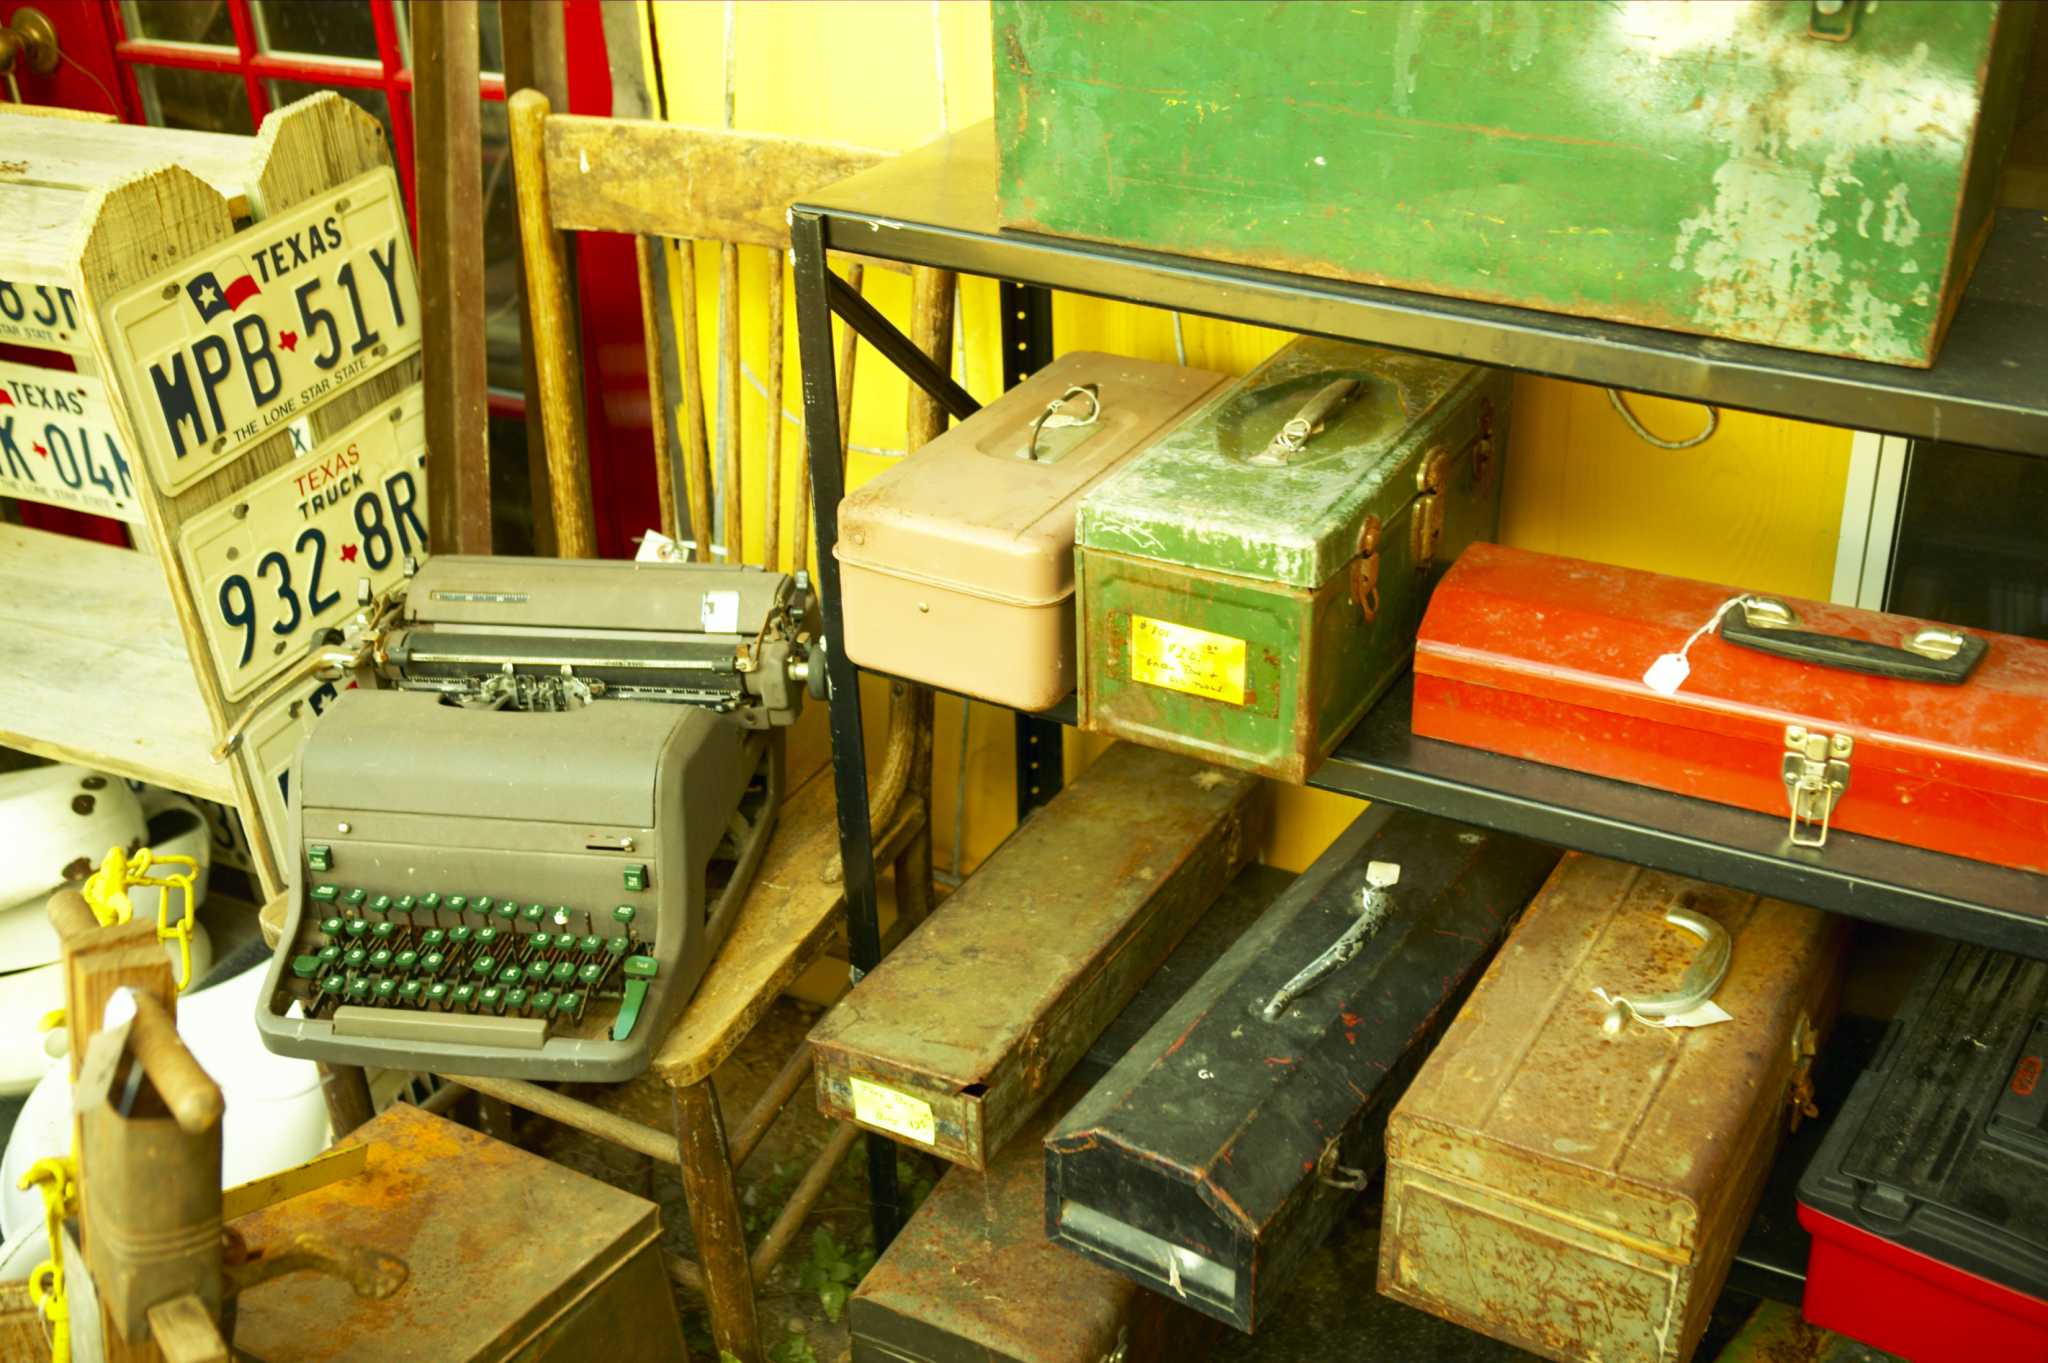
[(1882, 882), (936, 207)]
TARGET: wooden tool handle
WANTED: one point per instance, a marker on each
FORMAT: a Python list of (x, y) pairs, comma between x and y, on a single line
[(70, 914), (187, 1090)]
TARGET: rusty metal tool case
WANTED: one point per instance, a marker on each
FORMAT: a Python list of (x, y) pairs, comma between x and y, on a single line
[(1219, 1151), (957, 1037), (957, 565), (971, 1279), (1579, 1191), (1251, 584)]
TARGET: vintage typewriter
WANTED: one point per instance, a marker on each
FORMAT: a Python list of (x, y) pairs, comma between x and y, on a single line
[(516, 848)]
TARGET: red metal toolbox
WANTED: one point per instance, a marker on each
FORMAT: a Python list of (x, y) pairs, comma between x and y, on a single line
[(1831, 716), (1927, 1201)]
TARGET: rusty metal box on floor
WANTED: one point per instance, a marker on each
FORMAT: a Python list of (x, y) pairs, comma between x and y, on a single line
[(957, 565), (1219, 1151), (1252, 582), (1571, 1173), (1810, 175), (971, 1279), (962, 1031), (510, 1258)]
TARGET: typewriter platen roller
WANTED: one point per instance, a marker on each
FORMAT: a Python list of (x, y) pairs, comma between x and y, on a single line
[(509, 856)]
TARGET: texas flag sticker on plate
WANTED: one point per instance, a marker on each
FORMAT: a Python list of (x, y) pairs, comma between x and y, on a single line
[(248, 336)]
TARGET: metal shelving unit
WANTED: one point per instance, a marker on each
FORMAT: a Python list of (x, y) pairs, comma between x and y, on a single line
[(936, 207)]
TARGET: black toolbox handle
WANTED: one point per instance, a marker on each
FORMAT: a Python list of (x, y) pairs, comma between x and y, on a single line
[(1933, 654)]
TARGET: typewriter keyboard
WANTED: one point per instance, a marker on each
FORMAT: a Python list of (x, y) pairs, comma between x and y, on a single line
[(477, 968)]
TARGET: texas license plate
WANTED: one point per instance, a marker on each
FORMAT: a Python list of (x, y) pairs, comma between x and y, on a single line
[(58, 444), (258, 331), (284, 559), (41, 314)]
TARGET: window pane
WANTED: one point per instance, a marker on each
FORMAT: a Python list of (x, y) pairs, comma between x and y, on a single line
[(179, 21), (211, 101), (327, 28), (501, 253), (283, 92)]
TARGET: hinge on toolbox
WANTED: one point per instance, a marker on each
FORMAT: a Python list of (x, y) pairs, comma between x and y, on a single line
[(1815, 769), (1365, 569), (1427, 520)]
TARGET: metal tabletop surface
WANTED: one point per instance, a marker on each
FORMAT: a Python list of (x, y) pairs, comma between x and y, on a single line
[(937, 206)]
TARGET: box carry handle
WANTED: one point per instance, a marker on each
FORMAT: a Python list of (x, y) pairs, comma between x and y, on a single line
[(1932, 654), (1307, 423)]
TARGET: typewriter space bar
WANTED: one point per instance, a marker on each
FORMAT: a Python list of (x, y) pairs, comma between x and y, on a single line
[(440, 1029)]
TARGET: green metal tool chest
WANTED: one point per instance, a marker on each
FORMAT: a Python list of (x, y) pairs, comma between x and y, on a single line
[(1253, 582), (1814, 174)]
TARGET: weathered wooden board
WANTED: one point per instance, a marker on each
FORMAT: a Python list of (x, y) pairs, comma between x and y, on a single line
[(84, 155)]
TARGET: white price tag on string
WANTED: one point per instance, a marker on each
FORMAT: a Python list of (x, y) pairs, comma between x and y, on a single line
[(1669, 672)]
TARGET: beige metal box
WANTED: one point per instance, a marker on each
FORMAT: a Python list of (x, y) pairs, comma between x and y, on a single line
[(1579, 1191), (957, 565)]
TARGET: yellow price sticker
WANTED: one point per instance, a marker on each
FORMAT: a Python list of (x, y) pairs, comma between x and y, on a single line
[(1192, 661), (877, 1105)]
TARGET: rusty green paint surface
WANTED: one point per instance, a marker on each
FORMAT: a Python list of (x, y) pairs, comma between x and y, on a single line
[(1193, 534), (1711, 168), (980, 1013)]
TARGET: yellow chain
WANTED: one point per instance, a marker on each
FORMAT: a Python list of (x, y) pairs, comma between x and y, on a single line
[(57, 1179), (106, 893)]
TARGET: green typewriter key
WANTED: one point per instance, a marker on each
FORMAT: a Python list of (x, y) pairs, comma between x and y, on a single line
[(430, 901), (543, 1001), (330, 984), (357, 957), (568, 1003), (506, 909), (325, 894), (412, 991), (482, 967), (358, 988), (458, 936), (405, 903), (380, 959), (534, 913), (305, 967), (332, 926), (381, 904), (540, 941), (319, 857), (457, 902), (561, 915), (386, 991), (432, 962), (405, 961), (511, 975), (354, 898), (564, 972), (465, 995), (492, 997), (329, 955), (623, 913), (481, 904), (591, 945), (617, 945), (515, 997), (437, 992), (537, 971), (384, 931), (358, 926), (486, 936), (433, 937), (590, 974)]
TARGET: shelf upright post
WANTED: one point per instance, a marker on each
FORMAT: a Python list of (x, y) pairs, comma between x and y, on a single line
[(849, 751), (1027, 348)]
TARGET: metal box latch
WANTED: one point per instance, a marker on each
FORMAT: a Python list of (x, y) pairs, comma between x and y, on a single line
[(1816, 772)]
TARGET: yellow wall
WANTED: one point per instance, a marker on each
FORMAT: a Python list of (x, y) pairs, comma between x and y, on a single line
[(1757, 505)]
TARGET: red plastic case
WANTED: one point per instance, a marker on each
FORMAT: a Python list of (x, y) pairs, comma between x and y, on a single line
[(1544, 657)]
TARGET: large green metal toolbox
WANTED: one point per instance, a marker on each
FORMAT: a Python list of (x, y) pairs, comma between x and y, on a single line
[(1763, 172), (1253, 582)]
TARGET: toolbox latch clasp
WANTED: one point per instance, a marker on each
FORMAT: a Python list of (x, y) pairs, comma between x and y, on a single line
[(1427, 519), (1815, 770), (1365, 569)]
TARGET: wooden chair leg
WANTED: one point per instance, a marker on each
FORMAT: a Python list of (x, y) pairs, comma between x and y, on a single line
[(347, 1091), (715, 1217)]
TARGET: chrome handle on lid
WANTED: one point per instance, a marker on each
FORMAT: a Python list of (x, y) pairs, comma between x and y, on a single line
[(1708, 968), (1374, 904), (1055, 417), (1305, 424)]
